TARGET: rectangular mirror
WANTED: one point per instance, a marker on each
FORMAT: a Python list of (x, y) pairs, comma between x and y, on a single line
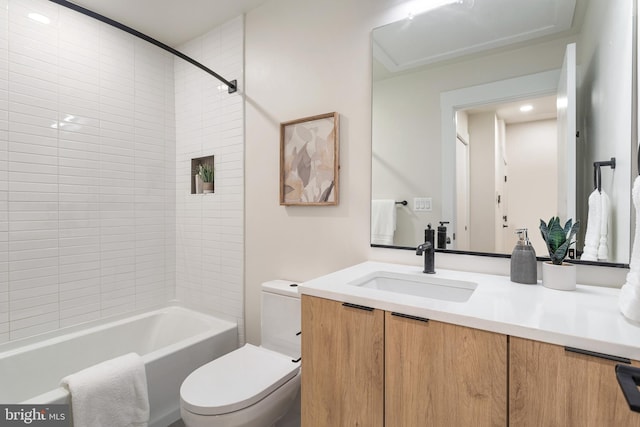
[(488, 116)]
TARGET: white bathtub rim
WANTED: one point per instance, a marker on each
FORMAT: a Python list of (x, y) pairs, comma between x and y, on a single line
[(59, 395), (41, 340)]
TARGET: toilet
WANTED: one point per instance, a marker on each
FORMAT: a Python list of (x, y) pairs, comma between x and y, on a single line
[(251, 386)]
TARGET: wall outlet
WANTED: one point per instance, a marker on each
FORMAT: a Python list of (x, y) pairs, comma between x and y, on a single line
[(422, 204)]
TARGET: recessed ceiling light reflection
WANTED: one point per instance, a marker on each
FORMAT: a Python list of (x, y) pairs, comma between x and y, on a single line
[(420, 6), (526, 108), (562, 102)]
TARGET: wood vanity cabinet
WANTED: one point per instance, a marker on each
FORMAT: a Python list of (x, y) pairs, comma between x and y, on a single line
[(342, 365), (371, 368), (442, 375), (550, 386)]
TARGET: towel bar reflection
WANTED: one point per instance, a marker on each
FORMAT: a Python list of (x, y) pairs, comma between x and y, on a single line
[(597, 175)]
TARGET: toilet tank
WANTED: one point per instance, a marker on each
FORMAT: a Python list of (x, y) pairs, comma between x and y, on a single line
[(280, 320)]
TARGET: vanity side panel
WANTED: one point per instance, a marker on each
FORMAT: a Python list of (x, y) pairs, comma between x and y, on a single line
[(342, 365), (549, 386)]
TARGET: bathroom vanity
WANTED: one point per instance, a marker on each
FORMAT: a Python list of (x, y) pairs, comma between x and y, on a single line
[(386, 345)]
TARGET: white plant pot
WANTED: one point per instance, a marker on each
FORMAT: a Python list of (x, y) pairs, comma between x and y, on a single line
[(198, 184), (560, 277)]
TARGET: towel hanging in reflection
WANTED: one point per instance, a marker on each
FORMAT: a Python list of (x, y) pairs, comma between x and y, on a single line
[(596, 246), (383, 221)]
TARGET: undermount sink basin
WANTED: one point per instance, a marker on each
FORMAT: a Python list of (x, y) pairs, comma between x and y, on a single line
[(425, 286)]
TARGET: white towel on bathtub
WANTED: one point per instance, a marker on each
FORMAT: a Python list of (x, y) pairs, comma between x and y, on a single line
[(110, 394)]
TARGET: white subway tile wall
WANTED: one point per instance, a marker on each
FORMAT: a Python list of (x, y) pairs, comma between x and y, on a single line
[(210, 227), (4, 174), (88, 169)]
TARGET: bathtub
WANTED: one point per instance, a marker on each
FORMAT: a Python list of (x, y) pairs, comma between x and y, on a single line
[(172, 341)]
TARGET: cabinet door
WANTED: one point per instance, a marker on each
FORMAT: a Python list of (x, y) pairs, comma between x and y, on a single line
[(342, 365), (443, 375), (549, 386)]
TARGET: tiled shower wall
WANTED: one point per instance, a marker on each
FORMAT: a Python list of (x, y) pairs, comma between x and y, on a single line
[(210, 227), (87, 170)]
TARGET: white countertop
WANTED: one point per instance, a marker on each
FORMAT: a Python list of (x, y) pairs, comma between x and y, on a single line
[(587, 318)]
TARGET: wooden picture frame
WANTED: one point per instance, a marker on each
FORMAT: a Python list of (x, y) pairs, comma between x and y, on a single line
[(309, 161)]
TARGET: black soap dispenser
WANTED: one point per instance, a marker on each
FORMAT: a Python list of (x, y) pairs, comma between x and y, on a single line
[(524, 267), (442, 235), (429, 235)]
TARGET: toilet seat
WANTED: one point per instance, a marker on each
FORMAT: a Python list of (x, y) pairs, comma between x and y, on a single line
[(236, 380)]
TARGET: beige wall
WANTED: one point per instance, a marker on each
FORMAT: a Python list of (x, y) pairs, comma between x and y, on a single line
[(534, 173), (304, 58), (482, 171)]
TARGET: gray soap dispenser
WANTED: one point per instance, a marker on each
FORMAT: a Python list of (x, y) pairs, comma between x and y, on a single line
[(524, 268)]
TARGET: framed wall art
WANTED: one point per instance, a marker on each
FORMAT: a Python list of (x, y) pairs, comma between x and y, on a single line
[(309, 154)]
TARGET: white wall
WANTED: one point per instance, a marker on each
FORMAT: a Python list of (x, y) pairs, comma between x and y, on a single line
[(604, 75), (92, 186), (210, 121), (87, 145)]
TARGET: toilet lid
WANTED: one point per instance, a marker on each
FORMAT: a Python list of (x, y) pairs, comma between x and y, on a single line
[(236, 380)]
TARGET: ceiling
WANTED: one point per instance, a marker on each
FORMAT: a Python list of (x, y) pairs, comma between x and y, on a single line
[(543, 108), (172, 22), (470, 26)]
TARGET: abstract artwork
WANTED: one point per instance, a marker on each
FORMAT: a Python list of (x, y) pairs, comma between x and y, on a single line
[(309, 152)]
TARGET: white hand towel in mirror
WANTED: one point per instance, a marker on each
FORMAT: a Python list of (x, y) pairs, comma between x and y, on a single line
[(594, 222), (110, 394), (383, 221), (603, 245), (629, 302)]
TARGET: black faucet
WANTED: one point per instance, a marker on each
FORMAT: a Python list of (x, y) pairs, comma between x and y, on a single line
[(429, 256)]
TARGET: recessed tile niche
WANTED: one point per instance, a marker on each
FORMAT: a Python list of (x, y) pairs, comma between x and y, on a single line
[(196, 186)]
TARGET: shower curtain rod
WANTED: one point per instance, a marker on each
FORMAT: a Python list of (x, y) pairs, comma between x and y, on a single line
[(231, 85)]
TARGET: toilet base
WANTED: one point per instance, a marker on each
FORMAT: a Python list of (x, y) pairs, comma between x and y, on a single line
[(264, 413)]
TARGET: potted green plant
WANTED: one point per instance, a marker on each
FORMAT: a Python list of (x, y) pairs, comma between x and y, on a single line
[(557, 274), (206, 174)]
